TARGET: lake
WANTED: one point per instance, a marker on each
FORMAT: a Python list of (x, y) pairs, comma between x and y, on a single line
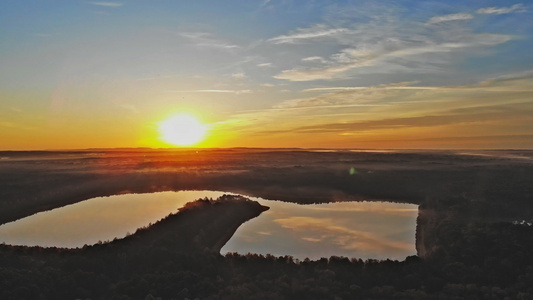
[(354, 229)]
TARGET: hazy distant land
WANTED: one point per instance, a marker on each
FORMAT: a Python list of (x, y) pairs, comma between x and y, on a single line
[(470, 233)]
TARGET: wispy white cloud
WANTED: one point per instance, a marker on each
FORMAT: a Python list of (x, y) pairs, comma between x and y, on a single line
[(314, 59), (268, 85), (265, 65), (389, 97), (501, 10), (528, 74), (371, 96), (226, 46), (108, 4), (154, 78), (299, 105), (510, 83), (360, 88), (451, 17), (265, 3), (194, 35), (299, 74), (495, 114), (313, 240), (397, 106), (385, 53), (213, 91), (206, 40), (492, 84), (403, 110), (239, 75), (385, 44), (344, 97), (313, 33)]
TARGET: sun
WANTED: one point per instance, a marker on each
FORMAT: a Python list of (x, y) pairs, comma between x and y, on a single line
[(182, 130)]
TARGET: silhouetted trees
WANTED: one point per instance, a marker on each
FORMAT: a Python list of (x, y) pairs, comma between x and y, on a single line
[(483, 270)]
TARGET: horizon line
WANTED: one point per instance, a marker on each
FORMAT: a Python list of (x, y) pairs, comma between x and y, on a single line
[(260, 148)]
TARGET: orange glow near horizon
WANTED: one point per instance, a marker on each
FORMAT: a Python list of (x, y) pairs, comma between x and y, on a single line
[(182, 130)]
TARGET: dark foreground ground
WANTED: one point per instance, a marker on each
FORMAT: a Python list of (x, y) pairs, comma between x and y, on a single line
[(471, 240)]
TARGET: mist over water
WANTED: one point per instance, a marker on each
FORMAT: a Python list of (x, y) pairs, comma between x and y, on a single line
[(353, 229)]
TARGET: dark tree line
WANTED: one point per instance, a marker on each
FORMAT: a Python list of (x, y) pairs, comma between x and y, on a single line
[(476, 261)]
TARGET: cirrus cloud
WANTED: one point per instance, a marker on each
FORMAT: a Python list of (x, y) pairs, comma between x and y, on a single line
[(107, 4), (501, 10), (313, 33), (451, 17), (385, 54)]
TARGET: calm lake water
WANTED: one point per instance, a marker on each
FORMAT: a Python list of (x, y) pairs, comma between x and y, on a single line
[(353, 229)]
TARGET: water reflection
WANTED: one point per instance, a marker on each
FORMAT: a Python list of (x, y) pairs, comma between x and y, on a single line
[(353, 229), (96, 219)]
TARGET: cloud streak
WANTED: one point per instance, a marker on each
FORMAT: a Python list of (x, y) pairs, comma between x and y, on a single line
[(214, 91), (501, 10), (388, 53), (314, 33), (451, 17), (399, 111), (358, 113), (452, 117), (107, 4), (387, 45), (363, 88), (205, 40)]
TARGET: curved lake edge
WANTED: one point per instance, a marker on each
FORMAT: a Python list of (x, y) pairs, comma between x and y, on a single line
[(338, 197), (208, 225), (203, 194)]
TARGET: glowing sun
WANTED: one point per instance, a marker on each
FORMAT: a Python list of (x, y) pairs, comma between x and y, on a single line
[(182, 130)]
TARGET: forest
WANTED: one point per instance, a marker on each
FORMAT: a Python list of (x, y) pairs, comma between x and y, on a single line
[(473, 238)]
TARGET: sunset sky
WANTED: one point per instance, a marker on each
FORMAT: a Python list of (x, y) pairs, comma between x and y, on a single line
[(269, 73)]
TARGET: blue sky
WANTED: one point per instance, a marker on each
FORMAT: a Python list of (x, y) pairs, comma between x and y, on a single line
[(350, 74)]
